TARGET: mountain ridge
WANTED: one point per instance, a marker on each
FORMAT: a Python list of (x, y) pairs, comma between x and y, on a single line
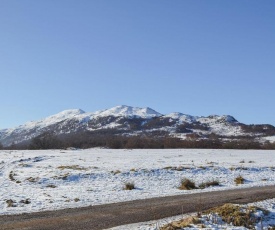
[(128, 120)]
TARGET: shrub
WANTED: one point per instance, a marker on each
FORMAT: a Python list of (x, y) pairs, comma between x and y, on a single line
[(11, 176), (71, 167), (116, 172), (129, 186), (181, 224), (187, 184), (26, 201), (239, 180), (209, 184), (10, 203), (32, 179), (51, 186), (237, 215)]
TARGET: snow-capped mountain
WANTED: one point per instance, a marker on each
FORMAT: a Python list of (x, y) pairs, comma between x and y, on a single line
[(127, 120)]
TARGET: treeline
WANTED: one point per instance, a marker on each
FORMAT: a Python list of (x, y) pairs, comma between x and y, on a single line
[(90, 140)]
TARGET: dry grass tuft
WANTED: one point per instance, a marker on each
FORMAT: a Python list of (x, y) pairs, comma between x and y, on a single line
[(187, 184), (32, 179), (239, 180), (26, 201), (129, 186), (10, 203), (187, 222), (71, 167), (236, 215), (12, 177), (63, 177), (116, 172), (209, 184), (51, 186)]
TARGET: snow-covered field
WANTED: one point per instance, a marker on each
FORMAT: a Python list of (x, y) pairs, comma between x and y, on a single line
[(55, 179)]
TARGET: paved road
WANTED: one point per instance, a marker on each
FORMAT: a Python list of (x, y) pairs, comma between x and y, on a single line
[(110, 215)]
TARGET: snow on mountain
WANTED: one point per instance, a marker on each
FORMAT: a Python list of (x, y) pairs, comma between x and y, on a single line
[(128, 111), (181, 117), (128, 120), (64, 115)]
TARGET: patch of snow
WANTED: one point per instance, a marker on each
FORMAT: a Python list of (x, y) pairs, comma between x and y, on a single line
[(128, 111), (270, 138), (181, 117), (211, 222)]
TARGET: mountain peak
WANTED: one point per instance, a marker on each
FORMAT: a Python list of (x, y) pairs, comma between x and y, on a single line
[(70, 112), (66, 114), (223, 118), (129, 111)]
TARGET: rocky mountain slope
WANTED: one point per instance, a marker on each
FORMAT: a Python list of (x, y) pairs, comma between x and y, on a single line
[(129, 121)]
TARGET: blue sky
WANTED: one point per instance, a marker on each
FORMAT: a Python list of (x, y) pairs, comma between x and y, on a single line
[(193, 56)]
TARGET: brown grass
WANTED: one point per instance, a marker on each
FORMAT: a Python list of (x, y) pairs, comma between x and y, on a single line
[(63, 177), (71, 167), (129, 186), (209, 184), (116, 172), (26, 201), (187, 184), (186, 222), (10, 203), (12, 177), (51, 186), (239, 180), (238, 216), (32, 179)]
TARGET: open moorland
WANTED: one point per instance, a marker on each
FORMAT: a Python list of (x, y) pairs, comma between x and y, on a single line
[(55, 179)]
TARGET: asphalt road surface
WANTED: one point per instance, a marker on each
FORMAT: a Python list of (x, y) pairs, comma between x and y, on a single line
[(111, 215)]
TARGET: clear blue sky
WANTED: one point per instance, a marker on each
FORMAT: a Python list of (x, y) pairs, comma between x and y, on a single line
[(192, 56)]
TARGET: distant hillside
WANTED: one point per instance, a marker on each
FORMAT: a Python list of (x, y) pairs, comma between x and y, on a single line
[(128, 122)]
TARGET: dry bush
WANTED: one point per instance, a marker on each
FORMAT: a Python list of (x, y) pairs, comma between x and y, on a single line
[(129, 186), (187, 184), (170, 168), (181, 223), (51, 186), (32, 179), (12, 177), (26, 201), (116, 172), (72, 167), (209, 184), (237, 215), (239, 180), (10, 203), (63, 177), (179, 168)]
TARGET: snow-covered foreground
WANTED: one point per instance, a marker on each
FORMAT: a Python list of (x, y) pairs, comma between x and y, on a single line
[(211, 222), (54, 179)]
